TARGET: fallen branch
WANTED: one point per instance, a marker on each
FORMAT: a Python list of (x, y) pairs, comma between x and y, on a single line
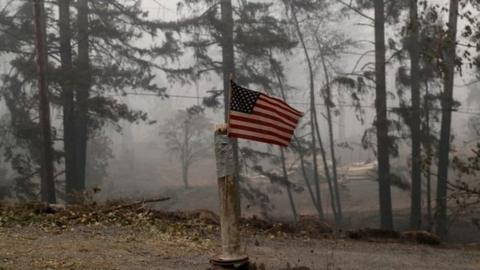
[(123, 206)]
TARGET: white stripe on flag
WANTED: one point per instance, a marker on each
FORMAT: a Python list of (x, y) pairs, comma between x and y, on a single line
[(258, 135), (264, 119)]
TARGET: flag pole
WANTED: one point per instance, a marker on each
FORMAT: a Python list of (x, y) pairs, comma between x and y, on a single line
[(229, 99)]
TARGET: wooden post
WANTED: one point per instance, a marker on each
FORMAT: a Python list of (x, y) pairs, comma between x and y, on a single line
[(47, 183), (232, 254)]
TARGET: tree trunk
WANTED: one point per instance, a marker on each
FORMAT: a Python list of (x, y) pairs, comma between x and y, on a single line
[(83, 93), (185, 175), (288, 185), (447, 105), (302, 161), (328, 102), (383, 142), (47, 185), (416, 193), (228, 63), (326, 169), (428, 150), (282, 156), (228, 66), (312, 112), (305, 177), (307, 182), (67, 96)]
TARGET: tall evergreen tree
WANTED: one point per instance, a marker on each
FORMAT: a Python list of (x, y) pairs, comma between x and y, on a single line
[(67, 88), (246, 33), (108, 58), (315, 134), (385, 12), (381, 122), (47, 184), (416, 195), (311, 22), (445, 130), (430, 35)]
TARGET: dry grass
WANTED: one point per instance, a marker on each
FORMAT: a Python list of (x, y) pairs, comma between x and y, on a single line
[(107, 236)]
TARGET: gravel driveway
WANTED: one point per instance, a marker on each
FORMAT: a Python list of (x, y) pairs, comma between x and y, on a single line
[(101, 247)]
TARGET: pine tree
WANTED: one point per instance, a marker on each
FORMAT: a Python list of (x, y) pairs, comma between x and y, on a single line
[(428, 75), (313, 114), (381, 122), (67, 92), (247, 34), (47, 184), (314, 32), (112, 31), (384, 12), (447, 106), (416, 196)]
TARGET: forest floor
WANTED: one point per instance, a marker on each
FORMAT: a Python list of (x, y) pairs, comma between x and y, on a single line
[(133, 237)]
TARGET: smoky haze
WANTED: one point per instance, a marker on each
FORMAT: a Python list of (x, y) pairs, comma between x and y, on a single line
[(140, 158)]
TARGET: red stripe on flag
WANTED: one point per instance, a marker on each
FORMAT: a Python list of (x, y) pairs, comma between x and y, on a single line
[(280, 112), (260, 131), (280, 103), (268, 102), (273, 117), (257, 135), (254, 138), (255, 120), (254, 125)]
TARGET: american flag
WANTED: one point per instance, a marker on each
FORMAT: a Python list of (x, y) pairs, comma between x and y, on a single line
[(259, 117)]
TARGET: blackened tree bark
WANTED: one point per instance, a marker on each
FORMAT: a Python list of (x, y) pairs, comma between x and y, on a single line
[(447, 106), (47, 184), (82, 94), (383, 142), (414, 50), (67, 86)]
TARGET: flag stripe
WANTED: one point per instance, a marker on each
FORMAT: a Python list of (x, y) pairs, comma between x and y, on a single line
[(245, 134), (284, 113), (251, 128), (260, 120), (273, 116), (253, 138), (279, 103), (272, 128)]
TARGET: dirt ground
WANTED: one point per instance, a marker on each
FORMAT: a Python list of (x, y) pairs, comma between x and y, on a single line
[(151, 247)]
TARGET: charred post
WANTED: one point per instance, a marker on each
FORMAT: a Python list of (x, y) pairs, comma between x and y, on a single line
[(232, 254)]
